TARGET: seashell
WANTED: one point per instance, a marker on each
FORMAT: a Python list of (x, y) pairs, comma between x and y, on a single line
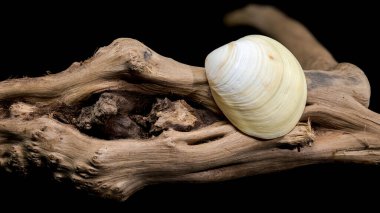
[(258, 84)]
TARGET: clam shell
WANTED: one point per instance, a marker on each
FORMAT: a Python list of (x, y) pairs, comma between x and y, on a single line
[(258, 84)]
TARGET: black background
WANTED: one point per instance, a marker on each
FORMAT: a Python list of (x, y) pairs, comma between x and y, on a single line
[(35, 39)]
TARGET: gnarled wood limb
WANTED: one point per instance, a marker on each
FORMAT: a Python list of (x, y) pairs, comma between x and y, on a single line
[(340, 128), (310, 53)]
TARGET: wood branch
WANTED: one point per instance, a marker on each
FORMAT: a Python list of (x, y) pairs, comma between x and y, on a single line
[(126, 64), (310, 53), (44, 120)]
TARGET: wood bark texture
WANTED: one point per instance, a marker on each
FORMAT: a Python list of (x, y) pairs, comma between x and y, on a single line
[(129, 117)]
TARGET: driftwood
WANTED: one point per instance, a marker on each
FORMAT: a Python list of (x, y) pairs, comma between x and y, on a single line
[(99, 124)]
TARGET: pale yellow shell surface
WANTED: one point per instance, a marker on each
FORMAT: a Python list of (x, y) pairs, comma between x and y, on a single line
[(258, 84)]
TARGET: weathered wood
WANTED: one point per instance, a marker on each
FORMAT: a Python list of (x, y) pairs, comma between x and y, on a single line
[(337, 126)]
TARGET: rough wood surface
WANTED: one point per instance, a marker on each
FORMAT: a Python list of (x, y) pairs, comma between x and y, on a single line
[(34, 131)]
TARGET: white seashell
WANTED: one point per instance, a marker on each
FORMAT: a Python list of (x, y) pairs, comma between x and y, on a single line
[(258, 84)]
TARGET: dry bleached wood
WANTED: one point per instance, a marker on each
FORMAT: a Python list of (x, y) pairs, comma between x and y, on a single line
[(342, 128)]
